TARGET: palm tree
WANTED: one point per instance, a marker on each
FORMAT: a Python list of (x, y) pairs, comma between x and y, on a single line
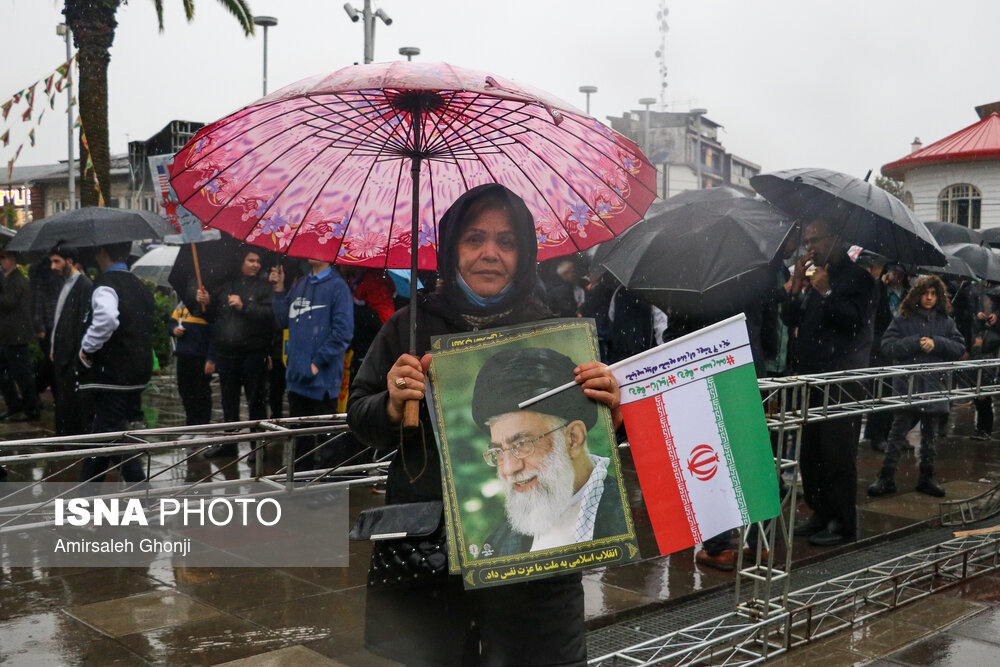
[(93, 24)]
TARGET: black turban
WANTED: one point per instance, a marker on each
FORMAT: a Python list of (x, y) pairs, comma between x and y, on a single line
[(512, 376)]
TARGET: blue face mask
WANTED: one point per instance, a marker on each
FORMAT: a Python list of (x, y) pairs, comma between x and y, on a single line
[(477, 300)]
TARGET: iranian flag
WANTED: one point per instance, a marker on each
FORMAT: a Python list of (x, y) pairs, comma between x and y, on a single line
[(698, 436)]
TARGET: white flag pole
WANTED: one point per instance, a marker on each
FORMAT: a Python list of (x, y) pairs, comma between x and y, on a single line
[(624, 362)]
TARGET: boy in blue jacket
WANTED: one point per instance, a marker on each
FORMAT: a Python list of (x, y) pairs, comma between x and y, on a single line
[(319, 313)]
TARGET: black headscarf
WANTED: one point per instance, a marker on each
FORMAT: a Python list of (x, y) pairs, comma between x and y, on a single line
[(450, 229)]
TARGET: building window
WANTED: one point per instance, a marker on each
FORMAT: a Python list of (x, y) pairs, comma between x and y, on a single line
[(960, 204)]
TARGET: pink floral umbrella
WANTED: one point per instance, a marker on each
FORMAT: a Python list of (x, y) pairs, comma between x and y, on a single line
[(326, 168)]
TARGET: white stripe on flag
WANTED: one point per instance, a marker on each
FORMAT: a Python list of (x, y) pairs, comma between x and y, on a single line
[(675, 463), (706, 473), (734, 479)]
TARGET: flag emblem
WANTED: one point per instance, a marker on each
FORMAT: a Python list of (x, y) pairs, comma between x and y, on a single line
[(703, 462)]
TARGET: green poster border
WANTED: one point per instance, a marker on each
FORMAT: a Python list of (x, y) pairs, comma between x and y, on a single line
[(482, 572)]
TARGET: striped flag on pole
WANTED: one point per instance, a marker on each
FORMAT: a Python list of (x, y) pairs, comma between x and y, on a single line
[(698, 436)]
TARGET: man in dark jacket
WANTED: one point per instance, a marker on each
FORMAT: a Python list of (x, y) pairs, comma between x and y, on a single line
[(242, 322), (117, 353), (70, 317), (319, 314), (17, 380), (834, 310), (556, 492)]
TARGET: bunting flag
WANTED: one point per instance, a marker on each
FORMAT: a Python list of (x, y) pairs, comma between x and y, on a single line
[(63, 70), (698, 436), (48, 84), (31, 136), (17, 97), (5, 137), (54, 82), (26, 116), (10, 163), (59, 85), (40, 114), (52, 101), (30, 97), (6, 108), (89, 164)]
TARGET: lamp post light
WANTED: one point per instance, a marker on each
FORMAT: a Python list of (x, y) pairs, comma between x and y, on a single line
[(646, 102), (369, 24), (63, 30), (409, 52), (588, 91), (265, 22), (698, 113)]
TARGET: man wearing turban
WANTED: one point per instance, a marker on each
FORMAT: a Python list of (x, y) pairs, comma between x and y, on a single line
[(556, 492)]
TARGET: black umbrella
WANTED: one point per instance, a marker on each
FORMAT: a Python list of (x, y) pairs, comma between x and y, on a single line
[(708, 259), (991, 235), (983, 261), (949, 232), (6, 234), (89, 227), (219, 260), (600, 252), (871, 217), (956, 267)]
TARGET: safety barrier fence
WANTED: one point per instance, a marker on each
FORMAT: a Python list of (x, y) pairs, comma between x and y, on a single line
[(767, 616)]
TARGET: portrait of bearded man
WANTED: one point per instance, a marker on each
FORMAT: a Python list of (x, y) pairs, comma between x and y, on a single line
[(556, 492)]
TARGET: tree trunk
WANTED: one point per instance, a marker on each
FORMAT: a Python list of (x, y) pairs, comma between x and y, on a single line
[(93, 25)]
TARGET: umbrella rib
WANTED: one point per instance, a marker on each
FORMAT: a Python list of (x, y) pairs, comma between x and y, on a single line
[(584, 165), (363, 121), (392, 218)]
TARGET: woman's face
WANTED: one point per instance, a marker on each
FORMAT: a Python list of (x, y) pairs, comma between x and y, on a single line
[(487, 253), (929, 299)]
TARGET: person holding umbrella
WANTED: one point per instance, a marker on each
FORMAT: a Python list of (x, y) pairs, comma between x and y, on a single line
[(486, 258), (834, 311)]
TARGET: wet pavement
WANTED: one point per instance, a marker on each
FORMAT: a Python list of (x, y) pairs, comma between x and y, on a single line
[(161, 614)]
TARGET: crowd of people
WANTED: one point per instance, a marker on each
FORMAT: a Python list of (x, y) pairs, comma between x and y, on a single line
[(270, 335)]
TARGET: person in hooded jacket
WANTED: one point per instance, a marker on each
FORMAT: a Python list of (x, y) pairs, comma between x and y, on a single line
[(319, 313), (922, 333), (487, 263)]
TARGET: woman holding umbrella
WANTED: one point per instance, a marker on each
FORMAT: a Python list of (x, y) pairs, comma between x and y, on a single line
[(487, 263)]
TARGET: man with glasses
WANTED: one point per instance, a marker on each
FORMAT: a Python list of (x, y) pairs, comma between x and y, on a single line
[(832, 304), (556, 492)]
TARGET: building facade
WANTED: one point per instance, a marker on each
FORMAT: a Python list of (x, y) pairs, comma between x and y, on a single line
[(686, 151), (956, 179)]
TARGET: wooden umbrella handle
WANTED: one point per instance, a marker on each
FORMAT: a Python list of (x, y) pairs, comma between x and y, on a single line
[(411, 414), (197, 268)]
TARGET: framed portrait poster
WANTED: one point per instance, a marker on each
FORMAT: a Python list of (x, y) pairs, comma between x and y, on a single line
[(533, 492)]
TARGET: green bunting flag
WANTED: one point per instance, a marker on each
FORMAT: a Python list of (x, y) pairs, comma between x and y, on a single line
[(31, 136), (5, 137), (6, 108)]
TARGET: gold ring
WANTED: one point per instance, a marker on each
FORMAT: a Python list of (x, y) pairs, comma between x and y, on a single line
[(401, 383)]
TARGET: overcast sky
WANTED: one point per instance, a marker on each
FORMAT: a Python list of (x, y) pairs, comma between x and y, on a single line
[(795, 83)]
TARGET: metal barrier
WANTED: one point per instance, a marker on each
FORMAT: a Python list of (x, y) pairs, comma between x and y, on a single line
[(769, 618)]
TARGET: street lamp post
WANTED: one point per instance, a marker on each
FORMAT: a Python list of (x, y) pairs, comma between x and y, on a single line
[(588, 91), (409, 52), (369, 24), (646, 102), (698, 113), (265, 22), (63, 30)]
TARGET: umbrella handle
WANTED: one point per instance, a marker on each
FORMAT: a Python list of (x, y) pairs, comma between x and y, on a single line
[(411, 414), (197, 267)]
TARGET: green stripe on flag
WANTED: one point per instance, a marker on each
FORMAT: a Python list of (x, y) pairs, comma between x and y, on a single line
[(750, 443)]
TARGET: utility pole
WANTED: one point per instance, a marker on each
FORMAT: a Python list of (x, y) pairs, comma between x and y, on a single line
[(265, 22), (369, 25)]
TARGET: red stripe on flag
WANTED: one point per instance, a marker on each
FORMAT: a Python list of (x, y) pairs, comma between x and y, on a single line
[(669, 512)]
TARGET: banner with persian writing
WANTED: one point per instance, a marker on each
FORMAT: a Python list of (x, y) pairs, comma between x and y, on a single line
[(698, 435)]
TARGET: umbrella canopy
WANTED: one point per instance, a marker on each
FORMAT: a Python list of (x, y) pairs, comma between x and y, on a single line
[(324, 168), (991, 235), (220, 260), (870, 217), (949, 232), (956, 267), (984, 262), (6, 234), (89, 227), (722, 193), (155, 265), (710, 259)]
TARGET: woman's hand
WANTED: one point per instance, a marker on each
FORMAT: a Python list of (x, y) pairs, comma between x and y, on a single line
[(599, 383), (405, 382)]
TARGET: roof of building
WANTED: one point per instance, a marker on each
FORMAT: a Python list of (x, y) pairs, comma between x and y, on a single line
[(979, 141), (31, 174)]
